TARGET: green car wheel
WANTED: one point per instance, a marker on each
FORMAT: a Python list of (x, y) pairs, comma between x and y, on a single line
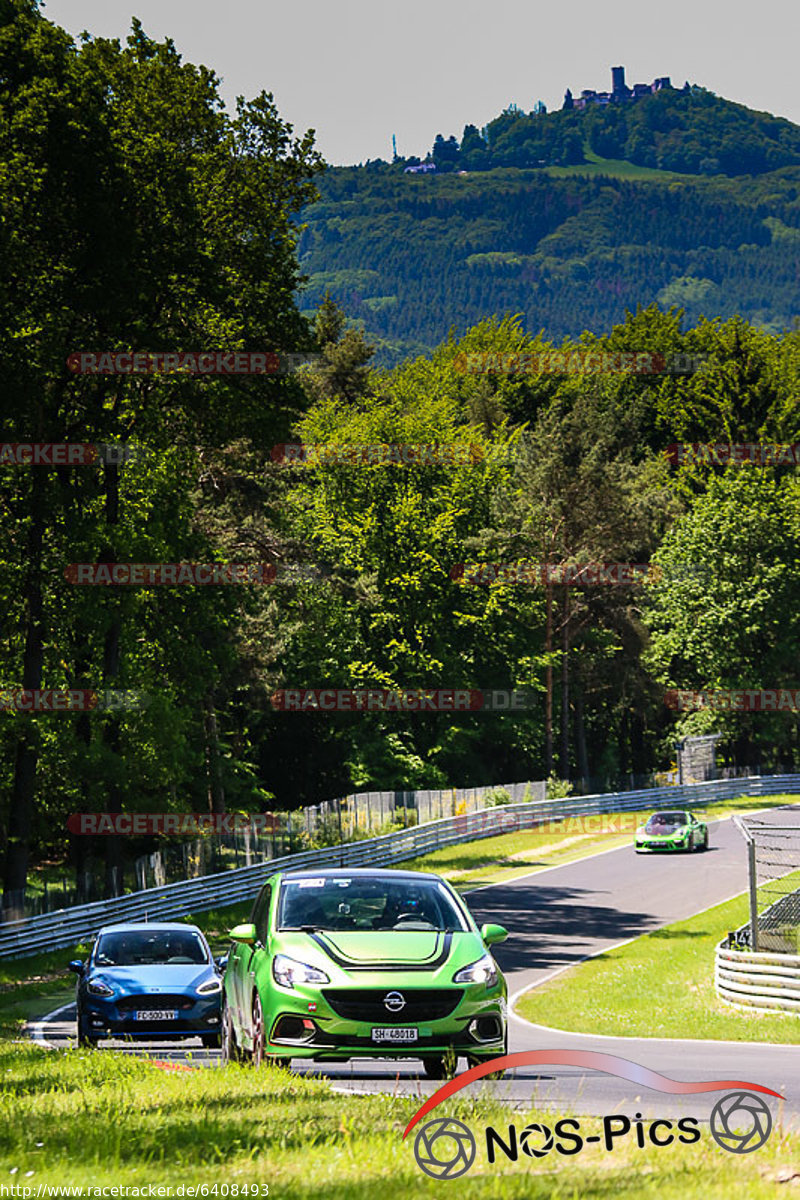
[(444, 1066), (231, 1052), (476, 1060), (257, 1053), (259, 1056)]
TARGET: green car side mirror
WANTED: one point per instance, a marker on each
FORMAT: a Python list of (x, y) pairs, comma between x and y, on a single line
[(493, 933), (244, 933)]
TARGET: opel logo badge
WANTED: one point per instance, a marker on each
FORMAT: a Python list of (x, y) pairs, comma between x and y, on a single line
[(394, 1001)]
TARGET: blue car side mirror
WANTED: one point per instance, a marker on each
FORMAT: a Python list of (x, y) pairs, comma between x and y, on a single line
[(77, 966)]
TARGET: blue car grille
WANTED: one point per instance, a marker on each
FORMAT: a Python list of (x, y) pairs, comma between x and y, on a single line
[(151, 1001), (367, 1004)]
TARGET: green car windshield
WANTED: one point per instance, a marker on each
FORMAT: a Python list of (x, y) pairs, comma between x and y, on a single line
[(666, 822), (341, 903)]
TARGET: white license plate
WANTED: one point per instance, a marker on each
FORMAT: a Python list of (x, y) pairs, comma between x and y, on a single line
[(156, 1014), (393, 1033)]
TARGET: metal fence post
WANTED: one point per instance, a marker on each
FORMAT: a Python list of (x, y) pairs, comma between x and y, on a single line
[(751, 864)]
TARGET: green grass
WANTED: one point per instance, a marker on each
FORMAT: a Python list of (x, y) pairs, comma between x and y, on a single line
[(510, 855), (628, 992), (89, 1118), (618, 168)]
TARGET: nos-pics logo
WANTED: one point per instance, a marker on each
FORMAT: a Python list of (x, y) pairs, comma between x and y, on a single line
[(445, 1148)]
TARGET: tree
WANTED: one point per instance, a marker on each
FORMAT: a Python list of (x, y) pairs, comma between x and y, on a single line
[(724, 615), (139, 216)]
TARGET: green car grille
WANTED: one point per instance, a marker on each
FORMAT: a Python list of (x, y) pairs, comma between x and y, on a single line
[(368, 1004)]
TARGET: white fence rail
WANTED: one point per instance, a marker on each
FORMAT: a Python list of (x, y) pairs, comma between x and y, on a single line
[(765, 981), (66, 927)]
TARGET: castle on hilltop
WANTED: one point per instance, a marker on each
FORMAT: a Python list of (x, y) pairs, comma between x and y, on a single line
[(619, 91)]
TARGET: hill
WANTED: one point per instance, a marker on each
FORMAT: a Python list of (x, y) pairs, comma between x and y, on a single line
[(640, 211), (688, 130)]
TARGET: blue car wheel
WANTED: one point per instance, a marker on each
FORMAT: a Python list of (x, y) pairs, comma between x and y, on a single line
[(85, 1038)]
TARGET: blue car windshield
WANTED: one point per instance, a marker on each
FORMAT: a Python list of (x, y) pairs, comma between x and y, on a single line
[(341, 903), (145, 947)]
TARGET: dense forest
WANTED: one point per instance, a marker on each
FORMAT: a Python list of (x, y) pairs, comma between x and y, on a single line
[(412, 257), (140, 226)]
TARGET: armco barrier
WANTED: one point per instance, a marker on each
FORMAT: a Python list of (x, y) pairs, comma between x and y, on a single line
[(764, 981), (56, 930)]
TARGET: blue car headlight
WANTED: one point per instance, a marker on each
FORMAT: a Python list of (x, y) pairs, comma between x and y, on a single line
[(288, 972), (97, 987), (210, 987), (482, 971)]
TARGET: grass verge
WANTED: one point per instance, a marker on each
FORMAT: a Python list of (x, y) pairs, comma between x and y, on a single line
[(661, 985), (88, 1119)]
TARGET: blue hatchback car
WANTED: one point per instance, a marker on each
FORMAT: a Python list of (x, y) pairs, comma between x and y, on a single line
[(149, 981)]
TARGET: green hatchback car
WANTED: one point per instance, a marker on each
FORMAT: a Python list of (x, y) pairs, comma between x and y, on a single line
[(664, 832), (342, 964)]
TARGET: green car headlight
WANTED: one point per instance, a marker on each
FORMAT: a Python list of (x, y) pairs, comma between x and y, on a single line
[(482, 971), (288, 972)]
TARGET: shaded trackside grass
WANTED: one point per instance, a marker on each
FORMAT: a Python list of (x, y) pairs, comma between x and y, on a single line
[(30, 987), (86, 1118), (510, 855), (661, 986)]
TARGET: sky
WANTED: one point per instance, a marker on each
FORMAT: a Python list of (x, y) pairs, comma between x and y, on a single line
[(358, 71)]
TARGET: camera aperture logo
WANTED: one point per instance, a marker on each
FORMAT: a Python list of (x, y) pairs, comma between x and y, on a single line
[(445, 1148)]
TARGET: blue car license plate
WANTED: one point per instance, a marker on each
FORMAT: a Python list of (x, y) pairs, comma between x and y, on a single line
[(156, 1014)]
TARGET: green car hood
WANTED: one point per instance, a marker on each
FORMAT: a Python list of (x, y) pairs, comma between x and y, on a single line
[(385, 950)]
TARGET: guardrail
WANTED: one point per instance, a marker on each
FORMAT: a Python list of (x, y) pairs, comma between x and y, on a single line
[(68, 926)]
